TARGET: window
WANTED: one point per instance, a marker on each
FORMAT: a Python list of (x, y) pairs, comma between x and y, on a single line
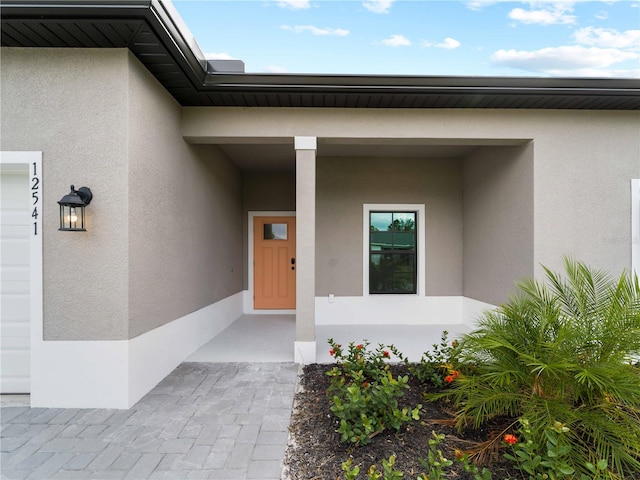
[(275, 231), (392, 252)]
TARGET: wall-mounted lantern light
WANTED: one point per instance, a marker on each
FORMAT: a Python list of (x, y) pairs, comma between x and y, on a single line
[(72, 209)]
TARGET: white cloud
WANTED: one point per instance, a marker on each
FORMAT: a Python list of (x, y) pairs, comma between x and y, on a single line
[(397, 41), (449, 44), (608, 38), (294, 4), (602, 15), (378, 6), (545, 14), (565, 61), (479, 4), (340, 32), (218, 56)]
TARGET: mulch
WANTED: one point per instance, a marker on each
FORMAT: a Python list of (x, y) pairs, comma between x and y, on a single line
[(316, 452)]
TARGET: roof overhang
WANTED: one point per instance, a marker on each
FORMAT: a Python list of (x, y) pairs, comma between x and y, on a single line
[(153, 31)]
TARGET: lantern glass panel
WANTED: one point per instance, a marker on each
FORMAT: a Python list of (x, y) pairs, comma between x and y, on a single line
[(72, 217)]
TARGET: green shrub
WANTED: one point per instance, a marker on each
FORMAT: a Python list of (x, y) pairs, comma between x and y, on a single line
[(388, 471), (364, 393), (561, 351), (436, 367), (436, 466), (537, 461)]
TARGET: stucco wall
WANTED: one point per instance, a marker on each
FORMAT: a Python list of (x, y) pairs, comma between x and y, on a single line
[(498, 221), (164, 228), (71, 105), (345, 184), (185, 213), (264, 191), (582, 188)]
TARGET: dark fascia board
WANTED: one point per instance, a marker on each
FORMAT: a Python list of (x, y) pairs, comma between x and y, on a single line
[(424, 84), (154, 12), (192, 64)]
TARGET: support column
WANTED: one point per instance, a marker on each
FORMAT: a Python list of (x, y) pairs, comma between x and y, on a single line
[(305, 344)]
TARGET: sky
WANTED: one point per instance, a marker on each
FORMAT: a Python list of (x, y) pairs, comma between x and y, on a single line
[(421, 37)]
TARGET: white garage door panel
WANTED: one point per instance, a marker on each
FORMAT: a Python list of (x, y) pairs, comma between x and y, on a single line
[(15, 280), (15, 307), (11, 360), (15, 274), (12, 287), (14, 253), (15, 334)]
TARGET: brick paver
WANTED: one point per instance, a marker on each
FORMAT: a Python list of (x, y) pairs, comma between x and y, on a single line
[(203, 421)]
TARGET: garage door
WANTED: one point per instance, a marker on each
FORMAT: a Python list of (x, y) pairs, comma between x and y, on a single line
[(15, 271)]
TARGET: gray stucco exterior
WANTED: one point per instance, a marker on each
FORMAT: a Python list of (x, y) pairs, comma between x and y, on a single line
[(345, 184), (165, 226), (531, 189), (165, 262)]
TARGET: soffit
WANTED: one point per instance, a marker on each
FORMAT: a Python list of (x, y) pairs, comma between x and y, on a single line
[(281, 157), (154, 35)]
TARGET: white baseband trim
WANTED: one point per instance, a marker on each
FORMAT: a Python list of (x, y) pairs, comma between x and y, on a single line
[(389, 310), (153, 355), (472, 310), (116, 374), (305, 352), (79, 374)]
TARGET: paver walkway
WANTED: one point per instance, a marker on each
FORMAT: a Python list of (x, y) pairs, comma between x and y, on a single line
[(204, 420)]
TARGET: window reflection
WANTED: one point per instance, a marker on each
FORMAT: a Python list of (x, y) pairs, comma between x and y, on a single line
[(275, 231), (392, 252)]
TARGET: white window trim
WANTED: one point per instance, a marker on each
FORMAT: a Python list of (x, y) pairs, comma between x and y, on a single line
[(401, 207), (635, 226)]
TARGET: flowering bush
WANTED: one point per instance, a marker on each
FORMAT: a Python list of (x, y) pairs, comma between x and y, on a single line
[(548, 461), (364, 393), (436, 367)]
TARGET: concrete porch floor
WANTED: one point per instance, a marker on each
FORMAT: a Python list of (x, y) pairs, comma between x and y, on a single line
[(270, 338)]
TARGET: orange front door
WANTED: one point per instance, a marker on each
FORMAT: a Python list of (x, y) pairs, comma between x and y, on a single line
[(274, 256)]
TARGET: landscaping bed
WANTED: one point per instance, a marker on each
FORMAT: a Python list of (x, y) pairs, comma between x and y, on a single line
[(316, 452), (549, 381)]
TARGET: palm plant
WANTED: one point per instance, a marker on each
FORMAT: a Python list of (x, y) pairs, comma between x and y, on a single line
[(561, 351)]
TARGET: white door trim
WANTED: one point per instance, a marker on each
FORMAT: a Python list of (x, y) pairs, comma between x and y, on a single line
[(34, 162), (248, 303)]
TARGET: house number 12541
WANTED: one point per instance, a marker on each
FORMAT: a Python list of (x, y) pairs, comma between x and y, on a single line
[(35, 196)]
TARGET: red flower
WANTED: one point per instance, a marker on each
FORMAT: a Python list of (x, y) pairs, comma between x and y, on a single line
[(332, 352), (385, 354), (359, 346), (365, 384), (448, 379), (455, 374), (454, 343), (510, 439)]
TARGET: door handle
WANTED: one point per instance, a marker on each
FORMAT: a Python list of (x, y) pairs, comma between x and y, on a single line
[(293, 263)]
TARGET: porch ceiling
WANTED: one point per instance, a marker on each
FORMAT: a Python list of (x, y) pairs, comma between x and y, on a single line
[(281, 157)]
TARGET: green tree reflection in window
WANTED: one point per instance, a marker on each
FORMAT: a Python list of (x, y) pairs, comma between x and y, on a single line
[(392, 252)]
